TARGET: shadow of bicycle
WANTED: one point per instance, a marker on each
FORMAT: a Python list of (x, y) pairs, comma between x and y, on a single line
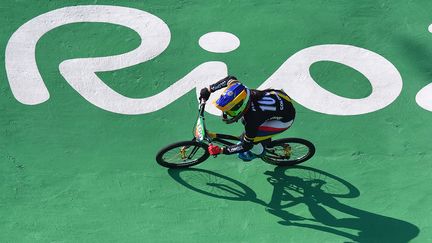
[(316, 189)]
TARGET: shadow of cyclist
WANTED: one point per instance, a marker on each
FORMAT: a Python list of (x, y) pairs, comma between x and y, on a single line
[(315, 195), (316, 189)]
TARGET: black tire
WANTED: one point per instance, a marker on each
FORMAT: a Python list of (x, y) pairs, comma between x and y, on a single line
[(182, 154), (288, 151)]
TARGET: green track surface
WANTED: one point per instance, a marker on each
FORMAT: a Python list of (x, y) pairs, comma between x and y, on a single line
[(72, 172)]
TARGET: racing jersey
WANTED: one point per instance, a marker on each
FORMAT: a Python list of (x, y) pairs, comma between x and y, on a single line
[(266, 105)]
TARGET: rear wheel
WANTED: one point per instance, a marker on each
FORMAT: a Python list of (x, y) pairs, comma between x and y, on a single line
[(288, 151), (182, 154)]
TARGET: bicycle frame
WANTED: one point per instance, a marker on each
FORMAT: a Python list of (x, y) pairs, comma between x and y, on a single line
[(277, 152), (202, 135)]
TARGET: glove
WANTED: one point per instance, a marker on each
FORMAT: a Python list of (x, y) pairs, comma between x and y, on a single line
[(214, 149), (204, 94)]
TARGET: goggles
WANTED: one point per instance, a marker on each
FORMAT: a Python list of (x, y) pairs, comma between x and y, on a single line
[(234, 111)]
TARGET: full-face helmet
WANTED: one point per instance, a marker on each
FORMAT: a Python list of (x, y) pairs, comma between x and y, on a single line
[(234, 101)]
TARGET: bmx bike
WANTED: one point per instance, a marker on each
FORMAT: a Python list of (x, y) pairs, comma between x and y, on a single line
[(280, 152)]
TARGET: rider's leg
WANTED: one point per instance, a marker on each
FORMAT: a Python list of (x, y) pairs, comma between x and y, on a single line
[(247, 155), (257, 149), (269, 129), (265, 132)]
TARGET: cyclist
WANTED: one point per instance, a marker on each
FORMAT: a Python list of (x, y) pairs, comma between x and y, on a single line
[(263, 113)]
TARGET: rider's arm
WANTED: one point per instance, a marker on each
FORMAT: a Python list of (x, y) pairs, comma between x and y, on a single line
[(222, 83), (205, 92)]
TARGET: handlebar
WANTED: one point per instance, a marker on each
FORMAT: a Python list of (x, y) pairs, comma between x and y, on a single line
[(202, 101), (202, 106)]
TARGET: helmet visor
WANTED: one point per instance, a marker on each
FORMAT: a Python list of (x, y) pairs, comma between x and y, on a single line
[(235, 110)]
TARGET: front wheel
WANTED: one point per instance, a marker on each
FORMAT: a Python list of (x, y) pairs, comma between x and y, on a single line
[(182, 154), (288, 151)]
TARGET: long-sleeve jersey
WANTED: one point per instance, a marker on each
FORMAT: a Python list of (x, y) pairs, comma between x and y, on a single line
[(266, 105)]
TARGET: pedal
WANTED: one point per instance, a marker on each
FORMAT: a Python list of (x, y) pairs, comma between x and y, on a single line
[(183, 152)]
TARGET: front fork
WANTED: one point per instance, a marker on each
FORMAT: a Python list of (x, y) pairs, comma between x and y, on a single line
[(184, 149)]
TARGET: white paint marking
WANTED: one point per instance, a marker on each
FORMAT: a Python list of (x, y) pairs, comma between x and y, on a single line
[(219, 42), (24, 77), (424, 96), (294, 77), (28, 87)]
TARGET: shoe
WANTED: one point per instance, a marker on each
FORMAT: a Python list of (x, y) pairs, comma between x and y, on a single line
[(247, 156)]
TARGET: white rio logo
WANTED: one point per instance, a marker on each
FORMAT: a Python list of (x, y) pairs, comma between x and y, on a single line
[(293, 75)]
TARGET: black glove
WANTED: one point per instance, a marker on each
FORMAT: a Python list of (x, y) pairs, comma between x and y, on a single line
[(204, 94)]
